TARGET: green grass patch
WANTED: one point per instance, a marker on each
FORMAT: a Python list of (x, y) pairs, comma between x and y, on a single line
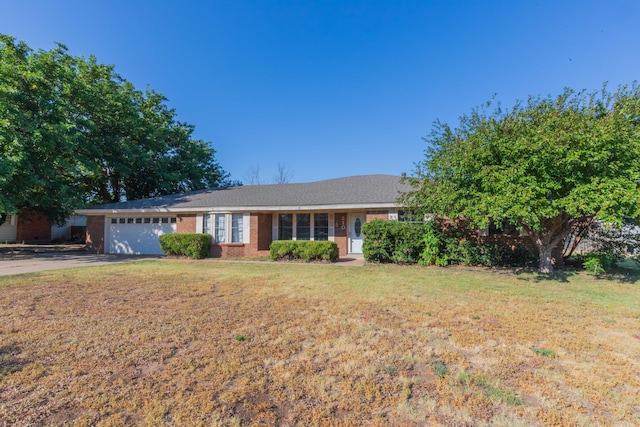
[(544, 352)]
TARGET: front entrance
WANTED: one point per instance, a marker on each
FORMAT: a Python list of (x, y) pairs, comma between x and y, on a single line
[(355, 232)]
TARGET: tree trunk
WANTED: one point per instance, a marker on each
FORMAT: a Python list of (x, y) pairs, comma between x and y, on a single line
[(547, 240), (546, 259)]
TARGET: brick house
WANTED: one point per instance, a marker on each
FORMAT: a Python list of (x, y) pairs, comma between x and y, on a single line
[(22, 228), (243, 221)]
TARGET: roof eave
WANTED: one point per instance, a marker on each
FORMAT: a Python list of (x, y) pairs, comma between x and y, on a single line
[(287, 208)]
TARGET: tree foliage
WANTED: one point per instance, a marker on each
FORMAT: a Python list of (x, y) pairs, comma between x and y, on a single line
[(548, 165), (73, 132)]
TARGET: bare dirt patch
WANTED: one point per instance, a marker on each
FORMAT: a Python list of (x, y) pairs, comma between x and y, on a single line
[(200, 343)]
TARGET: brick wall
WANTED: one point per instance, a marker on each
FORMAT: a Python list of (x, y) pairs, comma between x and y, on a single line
[(95, 234), (259, 240), (371, 215), (186, 223), (262, 224), (340, 234), (33, 228), (343, 247), (233, 250)]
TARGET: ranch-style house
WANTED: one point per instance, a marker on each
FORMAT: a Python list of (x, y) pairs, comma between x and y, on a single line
[(244, 220)]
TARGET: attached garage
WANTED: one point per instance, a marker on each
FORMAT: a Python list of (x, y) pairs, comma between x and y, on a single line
[(137, 235)]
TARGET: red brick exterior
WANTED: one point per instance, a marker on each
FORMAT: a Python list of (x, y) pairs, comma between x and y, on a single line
[(229, 250), (341, 224), (95, 234), (259, 240), (261, 231), (371, 215), (33, 228), (186, 223)]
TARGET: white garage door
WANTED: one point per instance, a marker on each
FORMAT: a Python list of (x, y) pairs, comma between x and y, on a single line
[(138, 236)]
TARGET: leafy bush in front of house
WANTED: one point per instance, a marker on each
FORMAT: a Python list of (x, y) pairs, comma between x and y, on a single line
[(392, 241), (196, 246), (306, 250), (432, 244)]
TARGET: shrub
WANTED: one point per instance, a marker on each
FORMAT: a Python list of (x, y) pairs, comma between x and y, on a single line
[(599, 262), (196, 246), (306, 250), (432, 244), (392, 241)]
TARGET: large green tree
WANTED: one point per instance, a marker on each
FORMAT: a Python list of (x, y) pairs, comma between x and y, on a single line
[(73, 132), (548, 165)]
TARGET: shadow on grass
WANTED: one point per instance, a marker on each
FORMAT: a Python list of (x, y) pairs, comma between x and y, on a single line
[(534, 275), (622, 275), (9, 362)]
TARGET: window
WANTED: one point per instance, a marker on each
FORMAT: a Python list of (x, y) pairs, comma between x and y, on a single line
[(217, 224), (172, 220), (138, 220), (214, 224), (236, 228), (321, 226), (114, 220), (285, 227), (206, 224), (156, 220), (303, 227), (409, 216), (219, 234), (165, 220), (504, 228), (147, 220), (122, 220)]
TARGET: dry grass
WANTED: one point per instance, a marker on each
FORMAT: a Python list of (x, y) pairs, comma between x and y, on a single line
[(217, 344)]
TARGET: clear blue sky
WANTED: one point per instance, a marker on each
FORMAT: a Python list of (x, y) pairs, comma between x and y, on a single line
[(337, 88)]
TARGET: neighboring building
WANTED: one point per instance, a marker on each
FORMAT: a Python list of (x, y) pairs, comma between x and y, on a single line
[(25, 229), (243, 221), (73, 230)]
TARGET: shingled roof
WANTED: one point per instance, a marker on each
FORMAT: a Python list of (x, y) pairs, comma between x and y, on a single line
[(367, 191)]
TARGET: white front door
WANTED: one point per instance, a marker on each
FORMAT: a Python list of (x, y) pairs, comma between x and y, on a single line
[(355, 233)]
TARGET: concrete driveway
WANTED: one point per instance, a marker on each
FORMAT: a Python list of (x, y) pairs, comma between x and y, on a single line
[(55, 261)]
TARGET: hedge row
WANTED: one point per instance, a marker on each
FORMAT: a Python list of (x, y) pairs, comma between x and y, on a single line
[(196, 246), (306, 250), (427, 244)]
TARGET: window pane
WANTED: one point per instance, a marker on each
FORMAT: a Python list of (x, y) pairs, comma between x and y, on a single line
[(156, 220), (129, 220), (409, 216), (285, 227), (206, 224), (220, 222), (114, 220), (165, 220), (321, 226), (303, 226), (138, 220), (147, 220), (236, 228)]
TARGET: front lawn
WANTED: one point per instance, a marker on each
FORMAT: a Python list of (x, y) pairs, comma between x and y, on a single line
[(211, 343)]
